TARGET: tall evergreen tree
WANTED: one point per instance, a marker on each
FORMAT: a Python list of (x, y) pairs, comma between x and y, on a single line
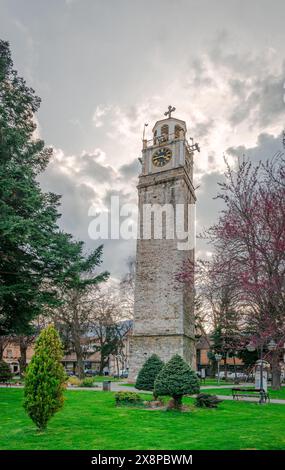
[(36, 258)]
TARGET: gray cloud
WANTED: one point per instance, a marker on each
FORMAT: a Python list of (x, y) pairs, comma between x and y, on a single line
[(263, 104), (130, 170), (90, 166), (267, 146)]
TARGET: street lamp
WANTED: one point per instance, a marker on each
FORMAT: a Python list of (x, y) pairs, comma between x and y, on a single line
[(251, 347), (271, 347), (218, 357)]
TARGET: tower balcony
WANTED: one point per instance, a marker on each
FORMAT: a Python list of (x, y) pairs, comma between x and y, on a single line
[(168, 139)]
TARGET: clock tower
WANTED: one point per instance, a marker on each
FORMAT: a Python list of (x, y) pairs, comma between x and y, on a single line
[(164, 308)]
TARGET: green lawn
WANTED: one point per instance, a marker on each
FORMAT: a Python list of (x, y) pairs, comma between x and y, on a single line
[(215, 382), (227, 391), (89, 420), (102, 378)]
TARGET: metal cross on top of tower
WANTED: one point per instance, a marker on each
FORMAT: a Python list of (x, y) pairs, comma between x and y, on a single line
[(171, 109)]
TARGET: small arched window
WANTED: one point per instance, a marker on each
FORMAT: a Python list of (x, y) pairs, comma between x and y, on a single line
[(177, 131), (164, 132)]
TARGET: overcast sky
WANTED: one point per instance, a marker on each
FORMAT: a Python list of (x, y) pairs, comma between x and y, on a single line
[(104, 67)]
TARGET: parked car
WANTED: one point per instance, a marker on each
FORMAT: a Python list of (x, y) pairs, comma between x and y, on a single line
[(90, 372), (241, 375), (221, 375), (69, 373), (124, 374), (232, 375)]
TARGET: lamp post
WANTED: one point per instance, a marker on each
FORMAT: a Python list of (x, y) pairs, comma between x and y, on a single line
[(251, 347), (218, 357)]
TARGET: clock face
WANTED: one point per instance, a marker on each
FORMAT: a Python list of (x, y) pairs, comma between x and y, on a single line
[(161, 156)]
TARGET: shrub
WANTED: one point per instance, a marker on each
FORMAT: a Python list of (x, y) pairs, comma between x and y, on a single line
[(148, 373), (88, 382), (128, 398), (204, 400), (75, 381), (5, 372), (45, 379), (176, 379)]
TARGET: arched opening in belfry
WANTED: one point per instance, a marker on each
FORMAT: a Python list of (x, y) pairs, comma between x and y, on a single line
[(164, 132), (155, 137), (178, 131)]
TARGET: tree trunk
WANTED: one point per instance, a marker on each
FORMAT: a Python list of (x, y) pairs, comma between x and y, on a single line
[(103, 363), (177, 401), (23, 355), (276, 371), (2, 347), (4, 341), (213, 368), (79, 356), (225, 367), (76, 336), (235, 370)]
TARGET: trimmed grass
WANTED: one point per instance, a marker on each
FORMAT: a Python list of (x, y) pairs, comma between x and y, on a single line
[(228, 391), (90, 420), (102, 378), (215, 383)]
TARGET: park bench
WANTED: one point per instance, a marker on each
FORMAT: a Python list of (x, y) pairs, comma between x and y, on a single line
[(239, 392)]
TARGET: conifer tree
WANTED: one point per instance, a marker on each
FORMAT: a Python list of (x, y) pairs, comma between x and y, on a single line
[(147, 375), (45, 379), (37, 259), (176, 379)]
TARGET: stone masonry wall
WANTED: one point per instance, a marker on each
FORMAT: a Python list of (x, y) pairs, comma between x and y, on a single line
[(164, 310)]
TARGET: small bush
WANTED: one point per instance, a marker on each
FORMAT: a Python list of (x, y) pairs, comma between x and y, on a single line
[(75, 381), (5, 372), (128, 398), (88, 382), (148, 373), (176, 379), (204, 400)]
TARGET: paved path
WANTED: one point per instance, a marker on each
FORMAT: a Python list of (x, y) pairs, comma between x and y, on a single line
[(272, 400), (119, 386), (115, 387)]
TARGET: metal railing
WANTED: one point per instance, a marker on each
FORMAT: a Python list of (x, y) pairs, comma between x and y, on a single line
[(168, 139)]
